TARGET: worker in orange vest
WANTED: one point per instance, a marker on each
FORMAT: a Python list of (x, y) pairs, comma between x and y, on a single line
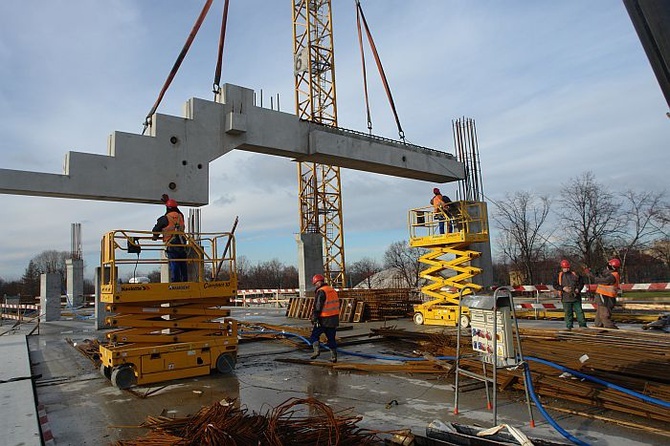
[(326, 317), (175, 248), (607, 292), (569, 285), (440, 208)]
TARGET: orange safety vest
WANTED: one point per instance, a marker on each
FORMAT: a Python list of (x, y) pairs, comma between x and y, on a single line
[(175, 223), (332, 305), (609, 290), (438, 203)]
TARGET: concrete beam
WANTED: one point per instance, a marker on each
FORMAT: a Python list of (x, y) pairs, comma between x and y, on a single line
[(174, 156)]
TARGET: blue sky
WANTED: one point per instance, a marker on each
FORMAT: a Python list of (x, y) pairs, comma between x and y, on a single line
[(556, 88)]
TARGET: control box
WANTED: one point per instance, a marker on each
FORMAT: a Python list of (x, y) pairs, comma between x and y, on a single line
[(486, 338)]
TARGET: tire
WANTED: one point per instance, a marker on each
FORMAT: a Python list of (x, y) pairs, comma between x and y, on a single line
[(123, 377), (105, 371), (225, 363), (465, 321), (418, 318)]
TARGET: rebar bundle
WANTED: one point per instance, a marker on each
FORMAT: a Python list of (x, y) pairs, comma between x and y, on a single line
[(298, 422)]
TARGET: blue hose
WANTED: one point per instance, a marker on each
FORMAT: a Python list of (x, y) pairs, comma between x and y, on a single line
[(609, 385), (550, 420), (283, 333)]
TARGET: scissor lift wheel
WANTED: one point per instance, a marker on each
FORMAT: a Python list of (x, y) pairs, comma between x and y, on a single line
[(465, 321), (418, 318), (123, 377), (106, 371), (225, 363)]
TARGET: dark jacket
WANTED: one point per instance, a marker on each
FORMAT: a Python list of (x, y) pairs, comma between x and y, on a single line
[(605, 278), (319, 302), (570, 279)]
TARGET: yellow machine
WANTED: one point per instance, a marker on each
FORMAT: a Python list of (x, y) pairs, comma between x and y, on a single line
[(449, 269), (169, 330)]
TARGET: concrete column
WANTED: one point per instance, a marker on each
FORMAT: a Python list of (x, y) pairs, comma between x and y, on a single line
[(50, 284), (75, 282), (310, 259), (100, 311), (165, 268), (485, 262)]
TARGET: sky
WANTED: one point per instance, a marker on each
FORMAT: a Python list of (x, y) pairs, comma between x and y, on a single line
[(555, 89)]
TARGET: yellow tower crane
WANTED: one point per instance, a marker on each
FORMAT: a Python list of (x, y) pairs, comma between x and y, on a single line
[(319, 191)]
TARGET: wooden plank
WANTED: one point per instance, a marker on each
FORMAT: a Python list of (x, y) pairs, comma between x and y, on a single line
[(360, 308)]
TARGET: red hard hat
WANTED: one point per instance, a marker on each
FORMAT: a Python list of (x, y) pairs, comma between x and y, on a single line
[(565, 264), (318, 278), (171, 203), (615, 263), (436, 191)]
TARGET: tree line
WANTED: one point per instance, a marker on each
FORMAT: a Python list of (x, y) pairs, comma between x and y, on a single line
[(262, 275), (587, 224)]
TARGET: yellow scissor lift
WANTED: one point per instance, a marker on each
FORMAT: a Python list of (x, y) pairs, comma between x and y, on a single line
[(448, 258), (170, 330)]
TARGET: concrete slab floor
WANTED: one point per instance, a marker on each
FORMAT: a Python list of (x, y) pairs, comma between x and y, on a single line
[(83, 408)]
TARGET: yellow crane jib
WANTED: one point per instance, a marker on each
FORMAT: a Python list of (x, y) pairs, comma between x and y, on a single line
[(447, 235)]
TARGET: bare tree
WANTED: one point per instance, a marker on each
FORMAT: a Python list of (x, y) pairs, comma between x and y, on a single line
[(267, 274), (590, 218), (521, 218), (52, 262), (660, 249), (405, 259), (642, 221), (363, 270)]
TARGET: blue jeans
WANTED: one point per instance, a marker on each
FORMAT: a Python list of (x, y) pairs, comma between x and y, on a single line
[(178, 270), (440, 225), (330, 336)]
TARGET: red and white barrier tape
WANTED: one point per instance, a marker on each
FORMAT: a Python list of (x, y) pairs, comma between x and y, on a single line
[(47, 436)]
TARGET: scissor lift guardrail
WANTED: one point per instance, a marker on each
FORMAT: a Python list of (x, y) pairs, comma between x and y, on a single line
[(167, 330)]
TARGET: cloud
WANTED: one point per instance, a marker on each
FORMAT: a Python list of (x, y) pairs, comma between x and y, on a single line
[(555, 90)]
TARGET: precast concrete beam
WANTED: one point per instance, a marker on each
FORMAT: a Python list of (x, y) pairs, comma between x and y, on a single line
[(174, 156)]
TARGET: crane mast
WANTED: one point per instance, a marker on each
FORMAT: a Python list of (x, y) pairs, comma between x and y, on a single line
[(320, 201)]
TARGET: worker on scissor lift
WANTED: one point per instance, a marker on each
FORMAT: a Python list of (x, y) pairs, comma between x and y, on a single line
[(175, 248), (440, 205)]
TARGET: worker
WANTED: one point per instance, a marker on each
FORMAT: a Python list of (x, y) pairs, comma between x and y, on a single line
[(175, 248), (325, 318), (440, 205), (569, 285), (607, 291)]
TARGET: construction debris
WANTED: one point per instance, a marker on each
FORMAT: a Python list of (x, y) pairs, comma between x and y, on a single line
[(637, 361), (662, 323), (361, 305)]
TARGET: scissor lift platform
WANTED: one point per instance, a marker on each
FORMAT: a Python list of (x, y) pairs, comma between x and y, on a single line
[(167, 330)]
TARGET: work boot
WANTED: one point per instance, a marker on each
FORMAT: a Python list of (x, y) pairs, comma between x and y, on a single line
[(317, 351), (333, 356)]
